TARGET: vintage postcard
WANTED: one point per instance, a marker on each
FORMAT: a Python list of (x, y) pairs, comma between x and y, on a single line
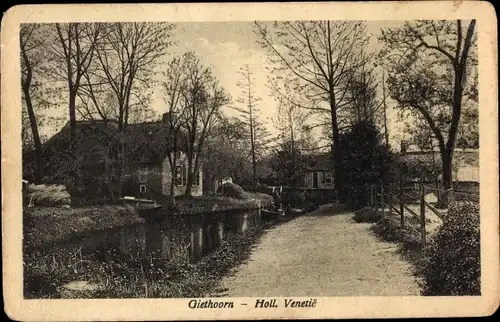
[(250, 161)]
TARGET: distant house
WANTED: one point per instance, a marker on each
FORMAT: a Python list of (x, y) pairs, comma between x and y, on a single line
[(319, 174), (146, 167), (465, 161), (220, 181)]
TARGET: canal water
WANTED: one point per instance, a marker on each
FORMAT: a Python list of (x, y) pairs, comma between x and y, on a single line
[(168, 238)]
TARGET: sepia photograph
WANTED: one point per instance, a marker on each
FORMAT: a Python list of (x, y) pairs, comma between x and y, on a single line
[(251, 167)]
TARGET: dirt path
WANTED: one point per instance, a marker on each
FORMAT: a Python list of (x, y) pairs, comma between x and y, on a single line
[(322, 254)]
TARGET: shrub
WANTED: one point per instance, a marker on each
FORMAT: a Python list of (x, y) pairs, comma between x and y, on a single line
[(265, 199), (453, 263), (389, 229), (294, 198), (366, 215), (232, 190), (319, 196), (48, 195)]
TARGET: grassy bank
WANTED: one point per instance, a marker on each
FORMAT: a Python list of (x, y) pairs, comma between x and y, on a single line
[(118, 275), (206, 204), (43, 226)]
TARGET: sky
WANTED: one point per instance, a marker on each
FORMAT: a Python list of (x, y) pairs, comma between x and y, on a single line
[(226, 47)]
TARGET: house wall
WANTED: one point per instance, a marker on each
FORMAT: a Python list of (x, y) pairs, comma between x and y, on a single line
[(145, 176), (166, 178), (321, 180)]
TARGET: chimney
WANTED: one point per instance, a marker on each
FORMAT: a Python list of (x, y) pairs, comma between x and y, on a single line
[(404, 146), (168, 117)]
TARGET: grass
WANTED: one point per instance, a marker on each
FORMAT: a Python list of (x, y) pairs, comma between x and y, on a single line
[(43, 226), (389, 229)]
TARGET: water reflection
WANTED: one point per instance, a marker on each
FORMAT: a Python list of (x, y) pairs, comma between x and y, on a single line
[(168, 239)]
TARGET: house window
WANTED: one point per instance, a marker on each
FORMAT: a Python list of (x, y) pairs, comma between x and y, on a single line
[(179, 175), (327, 178), (142, 188), (178, 155), (196, 179), (143, 175)]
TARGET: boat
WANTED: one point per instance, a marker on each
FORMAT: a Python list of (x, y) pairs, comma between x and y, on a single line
[(271, 214)]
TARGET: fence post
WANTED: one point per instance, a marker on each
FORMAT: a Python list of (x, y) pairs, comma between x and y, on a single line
[(390, 200), (371, 196), (451, 196), (422, 213), (382, 204), (401, 203)]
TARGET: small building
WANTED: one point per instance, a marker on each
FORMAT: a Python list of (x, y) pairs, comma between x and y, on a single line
[(465, 167), (220, 181), (319, 175)]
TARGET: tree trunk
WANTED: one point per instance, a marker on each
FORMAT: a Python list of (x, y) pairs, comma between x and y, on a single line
[(447, 158), (72, 113), (189, 183), (121, 158), (336, 151), (386, 132), (252, 145), (36, 136), (173, 172)]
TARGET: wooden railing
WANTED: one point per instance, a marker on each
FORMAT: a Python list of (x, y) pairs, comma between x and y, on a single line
[(397, 202)]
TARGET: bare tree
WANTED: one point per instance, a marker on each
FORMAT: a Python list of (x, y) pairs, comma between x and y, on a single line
[(321, 55), (250, 115), (74, 51), (31, 58), (362, 95), (291, 121), (173, 86), (429, 63), (226, 151), (203, 99), (127, 55), (96, 99)]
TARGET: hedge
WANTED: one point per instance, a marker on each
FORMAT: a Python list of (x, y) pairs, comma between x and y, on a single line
[(453, 265)]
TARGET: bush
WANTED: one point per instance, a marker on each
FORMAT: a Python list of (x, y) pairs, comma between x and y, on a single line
[(47, 195), (320, 197), (232, 190), (389, 229), (453, 264), (366, 215), (265, 199), (294, 198)]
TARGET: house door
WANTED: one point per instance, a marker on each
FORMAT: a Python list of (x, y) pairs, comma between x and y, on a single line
[(315, 180)]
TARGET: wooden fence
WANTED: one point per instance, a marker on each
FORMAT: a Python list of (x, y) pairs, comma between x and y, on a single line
[(398, 199)]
